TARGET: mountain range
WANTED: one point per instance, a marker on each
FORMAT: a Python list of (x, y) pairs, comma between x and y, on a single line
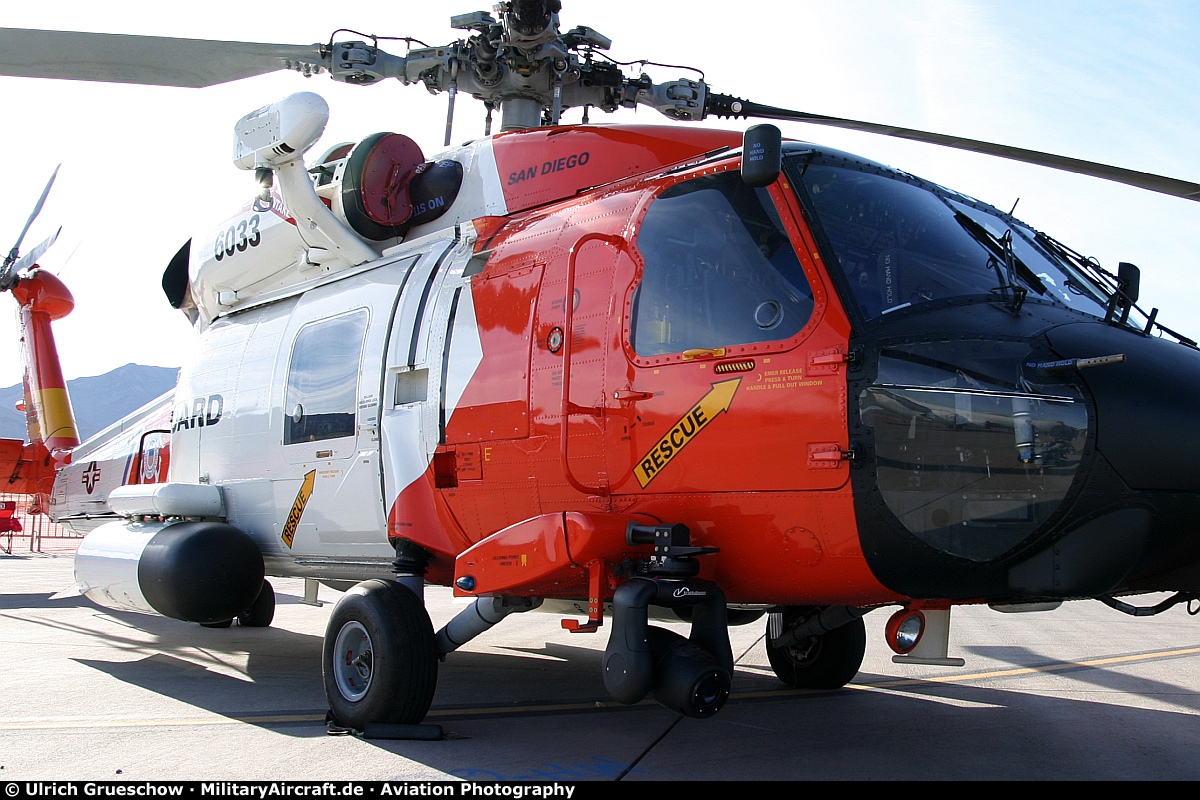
[(98, 401)]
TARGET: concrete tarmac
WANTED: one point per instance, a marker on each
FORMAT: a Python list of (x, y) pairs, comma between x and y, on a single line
[(1080, 693)]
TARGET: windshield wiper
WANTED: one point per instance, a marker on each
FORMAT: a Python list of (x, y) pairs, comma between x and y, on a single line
[(1116, 292), (1089, 267), (1001, 248)]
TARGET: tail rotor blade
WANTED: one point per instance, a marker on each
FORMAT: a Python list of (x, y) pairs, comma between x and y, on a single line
[(37, 209), (31, 258)]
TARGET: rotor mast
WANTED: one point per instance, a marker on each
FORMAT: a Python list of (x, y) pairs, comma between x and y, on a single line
[(520, 64)]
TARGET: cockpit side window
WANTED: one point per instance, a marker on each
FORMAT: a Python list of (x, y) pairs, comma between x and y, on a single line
[(719, 270), (322, 384)]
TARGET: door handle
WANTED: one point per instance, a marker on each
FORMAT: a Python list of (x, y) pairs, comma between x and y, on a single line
[(631, 395)]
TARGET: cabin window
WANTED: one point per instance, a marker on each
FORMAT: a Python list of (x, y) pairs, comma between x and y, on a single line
[(719, 270), (322, 385)]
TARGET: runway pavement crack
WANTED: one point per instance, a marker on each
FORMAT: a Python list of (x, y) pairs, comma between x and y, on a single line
[(649, 747), (677, 720)]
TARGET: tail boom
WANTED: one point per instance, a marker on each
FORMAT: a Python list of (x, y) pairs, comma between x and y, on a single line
[(43, 298)]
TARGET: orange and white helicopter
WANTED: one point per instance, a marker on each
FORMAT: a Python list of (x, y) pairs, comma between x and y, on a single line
[(650, 369)]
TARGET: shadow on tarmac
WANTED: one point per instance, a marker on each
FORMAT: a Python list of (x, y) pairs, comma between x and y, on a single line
[(13, 602), (541, 712), (530, 713)]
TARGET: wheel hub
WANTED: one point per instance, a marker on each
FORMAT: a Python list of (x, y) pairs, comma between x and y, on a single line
[(805, 652), (352, 671)]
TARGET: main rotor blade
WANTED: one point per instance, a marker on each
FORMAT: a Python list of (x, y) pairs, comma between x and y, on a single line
[(724, 106), (37, 209), (152, 60)]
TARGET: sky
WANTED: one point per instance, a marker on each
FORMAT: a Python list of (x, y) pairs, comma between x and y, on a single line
[(146, 168)]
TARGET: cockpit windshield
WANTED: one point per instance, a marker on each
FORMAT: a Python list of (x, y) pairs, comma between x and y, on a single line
[(902, 242)]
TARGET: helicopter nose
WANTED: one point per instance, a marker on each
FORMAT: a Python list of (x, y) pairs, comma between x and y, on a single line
[(1076, 480), (1146, 407), (1141, 498)]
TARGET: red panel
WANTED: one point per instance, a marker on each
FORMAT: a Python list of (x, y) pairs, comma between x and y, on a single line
[(495, 404), (546, 555), (529, 557), (547, 164), (488, 421)]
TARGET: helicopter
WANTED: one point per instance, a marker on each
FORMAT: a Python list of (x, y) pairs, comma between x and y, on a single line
[(33, 466), (52, 463), (634, 371)]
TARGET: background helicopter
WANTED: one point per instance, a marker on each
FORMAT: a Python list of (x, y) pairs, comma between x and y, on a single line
[(699, 620), (49, 455)]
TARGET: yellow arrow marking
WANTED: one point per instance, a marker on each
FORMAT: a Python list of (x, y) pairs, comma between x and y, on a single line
[(685, 430), (293, 520)]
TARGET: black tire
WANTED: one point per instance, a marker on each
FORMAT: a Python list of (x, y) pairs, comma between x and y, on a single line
[(829, 661), (225, 623), (262, 610), (380, 659)]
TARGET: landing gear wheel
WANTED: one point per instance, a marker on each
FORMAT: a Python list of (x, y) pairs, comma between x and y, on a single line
[(225, 623), (829, 661), (261, 611), (380, 659)]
